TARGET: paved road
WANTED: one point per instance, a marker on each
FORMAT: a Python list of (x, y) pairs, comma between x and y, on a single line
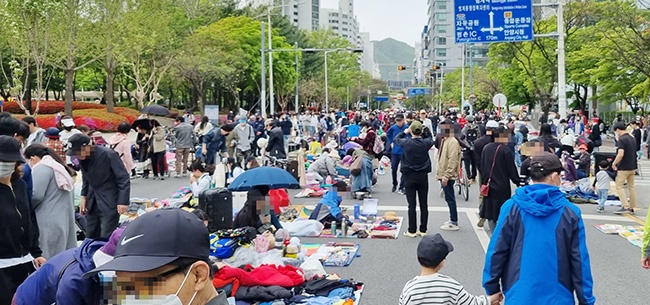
[(385, 265)]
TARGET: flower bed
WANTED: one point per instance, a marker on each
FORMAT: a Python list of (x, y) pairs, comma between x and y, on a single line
[(130, 114), (50, 107), (98, 119)]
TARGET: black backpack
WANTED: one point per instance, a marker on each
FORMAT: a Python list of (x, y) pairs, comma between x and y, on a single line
[(471, 134)]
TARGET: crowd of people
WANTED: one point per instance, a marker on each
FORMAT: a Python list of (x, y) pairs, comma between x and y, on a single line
[(38, 170)]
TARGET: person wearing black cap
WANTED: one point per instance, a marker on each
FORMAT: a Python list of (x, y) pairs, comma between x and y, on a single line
[(625, 164), (539, 219), (106, 188), (431, 287), (19, 249), (164, 264), (215, 142)]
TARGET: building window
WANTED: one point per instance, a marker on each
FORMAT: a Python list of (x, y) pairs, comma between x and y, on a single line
[(345, 16), (441, 28), (441, 5), (441, 52), (441, 16), (334, 14), (335, 28), (442, 41)]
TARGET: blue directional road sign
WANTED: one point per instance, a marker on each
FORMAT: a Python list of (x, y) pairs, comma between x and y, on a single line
[(493, 20), (418, 91), (381, 99)]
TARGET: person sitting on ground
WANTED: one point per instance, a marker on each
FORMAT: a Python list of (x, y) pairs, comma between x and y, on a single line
[(328, 209), (257, 212), (347, 160), (324, 166), (431, 287), (199, 179), (164, 267), (584, 163), (234, 170), (61, 279)]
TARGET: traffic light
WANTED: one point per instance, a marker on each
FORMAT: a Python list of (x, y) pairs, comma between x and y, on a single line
[(435, 67), (401, 68)]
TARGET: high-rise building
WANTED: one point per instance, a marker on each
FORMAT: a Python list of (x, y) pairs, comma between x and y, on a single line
[(368, 58), (305, 14), (442, 49), (342, 21)]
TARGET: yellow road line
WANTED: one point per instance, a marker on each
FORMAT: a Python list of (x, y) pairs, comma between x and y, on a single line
[(635, 219)]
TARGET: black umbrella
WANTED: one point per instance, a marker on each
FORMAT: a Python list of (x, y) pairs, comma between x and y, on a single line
[(155, 110), (142, 123)]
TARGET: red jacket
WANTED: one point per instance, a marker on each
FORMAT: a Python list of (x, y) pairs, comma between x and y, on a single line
[(265, 275)]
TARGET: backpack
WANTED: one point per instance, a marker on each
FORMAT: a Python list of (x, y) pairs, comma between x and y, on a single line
[(471, 134), (378, 147), (113, 146), (223, 247)]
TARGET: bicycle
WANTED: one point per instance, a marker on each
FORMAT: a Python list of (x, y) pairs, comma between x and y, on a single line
[(463, 182)]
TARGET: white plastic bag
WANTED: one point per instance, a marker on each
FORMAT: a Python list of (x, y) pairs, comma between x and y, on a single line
[(312, 267), (303, 227)]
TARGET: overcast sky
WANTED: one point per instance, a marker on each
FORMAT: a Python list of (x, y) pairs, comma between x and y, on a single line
[(403, 20)]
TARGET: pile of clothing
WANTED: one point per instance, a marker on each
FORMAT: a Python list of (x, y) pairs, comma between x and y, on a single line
[(282, 285)]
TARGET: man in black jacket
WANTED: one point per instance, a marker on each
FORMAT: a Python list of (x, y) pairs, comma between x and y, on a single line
[(275, 146), (415, 166), (478, 151), (106, 186)]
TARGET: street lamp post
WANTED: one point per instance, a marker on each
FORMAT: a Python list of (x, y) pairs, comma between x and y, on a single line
[(327, 102), (297, 78), (271, 93), (263, 74)]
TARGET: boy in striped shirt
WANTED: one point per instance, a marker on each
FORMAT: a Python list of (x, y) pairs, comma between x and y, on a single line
[(430, 287)]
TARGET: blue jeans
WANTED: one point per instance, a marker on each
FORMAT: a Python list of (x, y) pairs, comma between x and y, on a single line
[(602, 197), (581, 174), (395, 159), (450, 197)]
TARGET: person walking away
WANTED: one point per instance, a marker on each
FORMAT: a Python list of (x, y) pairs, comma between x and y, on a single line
[(184, 141), (53, 142), (246, 136), (546, 136), (275, 146), (431, 287), (416, 165), (142, 144), (626, 164), (601, 185), (181, 259), (19, 249), (52, 200), (636, 133), (106, 188), (36, 134), (215, 142), (158, 150), (553, 226), (470, 133), (447, 171), (286, 126), (120, 143), (203, 128), (497, 175), (396, 151), (584, 163)]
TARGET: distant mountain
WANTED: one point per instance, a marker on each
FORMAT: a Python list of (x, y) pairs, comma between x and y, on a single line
[(390, 53)]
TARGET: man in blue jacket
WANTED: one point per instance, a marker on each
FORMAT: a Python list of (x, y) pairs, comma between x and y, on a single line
[(538, 252), (396, 151), (61, 280)]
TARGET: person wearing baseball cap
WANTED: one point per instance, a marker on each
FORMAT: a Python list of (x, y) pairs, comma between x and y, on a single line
[(106, 187), (167, 264), (431, 287), (215, 142), (563, 273), (584, 162)]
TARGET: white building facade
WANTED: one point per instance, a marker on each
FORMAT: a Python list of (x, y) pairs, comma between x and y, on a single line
[(305, 14)]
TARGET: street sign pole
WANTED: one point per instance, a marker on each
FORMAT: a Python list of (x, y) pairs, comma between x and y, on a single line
[(462, 77)]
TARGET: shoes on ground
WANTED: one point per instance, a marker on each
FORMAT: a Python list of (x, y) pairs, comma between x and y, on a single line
[(600, 209), (420, 233), (449, 226), (481, 222), (409, 234), (393, 189)]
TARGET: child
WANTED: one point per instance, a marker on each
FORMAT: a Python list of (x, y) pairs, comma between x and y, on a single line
[(430, 287), (601, 185), (315, 147)]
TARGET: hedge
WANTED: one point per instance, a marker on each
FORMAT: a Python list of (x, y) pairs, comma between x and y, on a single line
[(50, 107)]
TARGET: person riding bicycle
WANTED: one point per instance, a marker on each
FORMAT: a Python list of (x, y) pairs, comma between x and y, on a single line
[(470, 134)]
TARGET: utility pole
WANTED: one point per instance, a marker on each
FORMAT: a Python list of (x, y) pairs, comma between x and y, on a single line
[(442, 75), (272, 93), (263, 73), (561, 64), (327, 102), (297, 78), (462, 77), (471, 80)]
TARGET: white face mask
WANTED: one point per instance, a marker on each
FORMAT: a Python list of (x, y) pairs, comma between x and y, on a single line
[(171, 299), (7, 168)]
